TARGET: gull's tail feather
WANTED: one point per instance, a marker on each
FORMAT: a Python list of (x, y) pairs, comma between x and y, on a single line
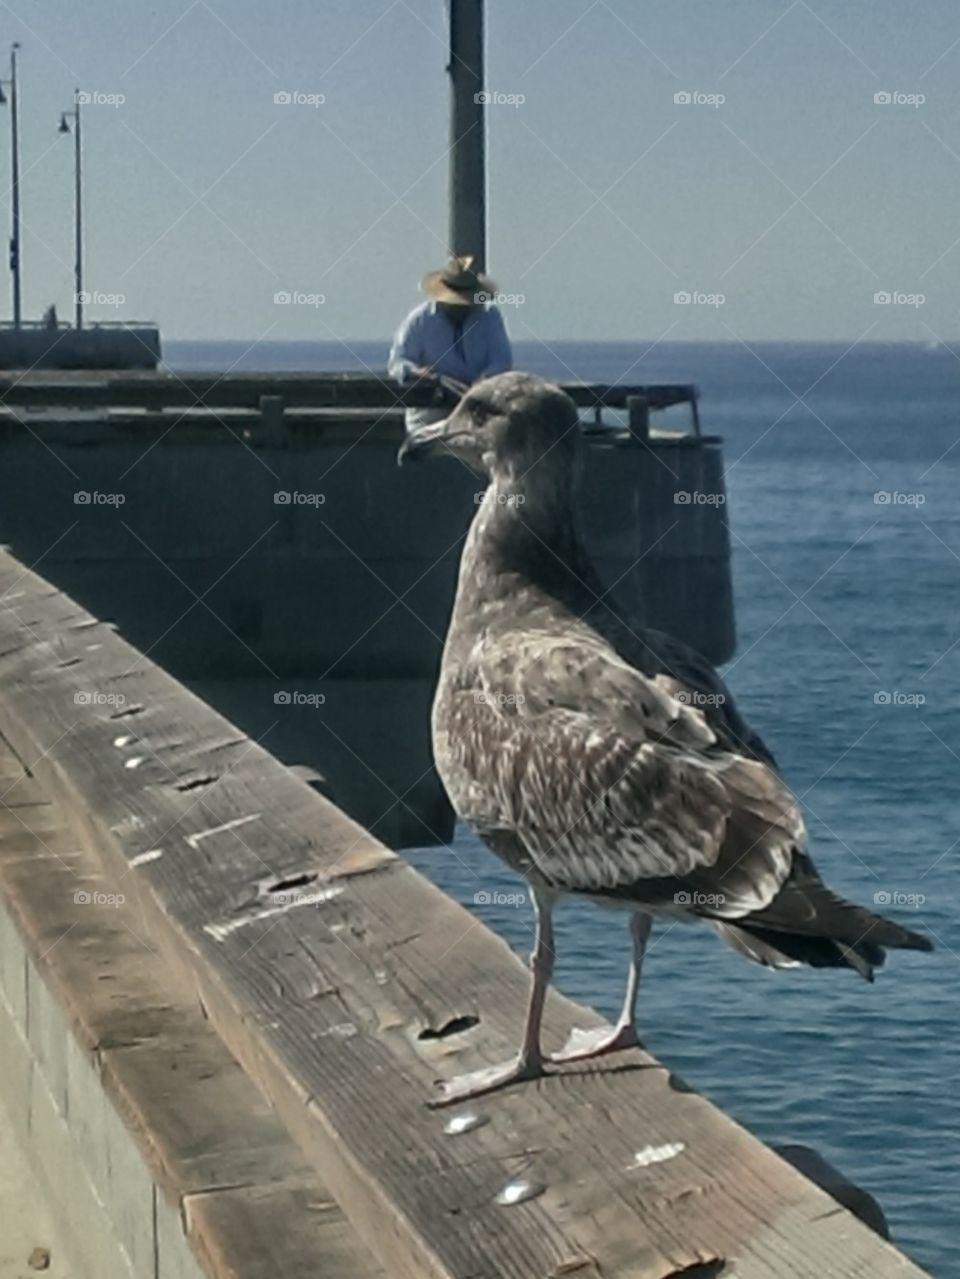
[(795, 950), (808, 924)]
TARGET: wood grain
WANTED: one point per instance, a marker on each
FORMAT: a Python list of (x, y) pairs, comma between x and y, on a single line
[(249, 1201)]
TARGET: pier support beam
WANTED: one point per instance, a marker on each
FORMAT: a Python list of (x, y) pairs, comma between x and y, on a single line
[(638, 417)]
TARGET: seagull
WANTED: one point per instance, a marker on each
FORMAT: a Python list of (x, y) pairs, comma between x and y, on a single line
[(601, 759)]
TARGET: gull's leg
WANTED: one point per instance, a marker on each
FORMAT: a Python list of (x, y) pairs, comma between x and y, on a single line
[(583, 1044), (529, 1063)]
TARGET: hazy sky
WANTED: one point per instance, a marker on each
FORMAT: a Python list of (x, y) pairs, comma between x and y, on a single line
[(797, 199)]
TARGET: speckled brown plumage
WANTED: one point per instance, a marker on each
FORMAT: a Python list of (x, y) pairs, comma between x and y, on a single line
[(596, 756)]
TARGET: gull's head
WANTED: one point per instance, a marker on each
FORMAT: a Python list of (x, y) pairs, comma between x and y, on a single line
[(508, 425)]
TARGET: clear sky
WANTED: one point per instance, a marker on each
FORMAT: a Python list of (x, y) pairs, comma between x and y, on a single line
[(797, 199)]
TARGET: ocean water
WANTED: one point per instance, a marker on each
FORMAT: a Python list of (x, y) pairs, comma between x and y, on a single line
[(843, 475)]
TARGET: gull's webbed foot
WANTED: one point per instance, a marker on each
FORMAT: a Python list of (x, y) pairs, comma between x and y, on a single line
[(582, 1045), (478, 1083)]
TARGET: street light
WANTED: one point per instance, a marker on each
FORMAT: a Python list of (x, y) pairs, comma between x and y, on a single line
[(65, 119), (15, 177)]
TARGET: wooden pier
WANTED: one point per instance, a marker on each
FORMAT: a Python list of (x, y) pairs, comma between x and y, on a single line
[(253, 534), (225, 1004)]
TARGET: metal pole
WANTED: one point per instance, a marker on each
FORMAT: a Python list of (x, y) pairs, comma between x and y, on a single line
[(468, 231), (15, 162), (79, 215)]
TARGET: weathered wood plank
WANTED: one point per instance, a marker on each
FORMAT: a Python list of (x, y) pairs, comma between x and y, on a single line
[(250, 1202), (324, 1002)]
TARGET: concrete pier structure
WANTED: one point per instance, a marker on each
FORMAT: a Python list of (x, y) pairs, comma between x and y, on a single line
[(36, 345), (274, 558)]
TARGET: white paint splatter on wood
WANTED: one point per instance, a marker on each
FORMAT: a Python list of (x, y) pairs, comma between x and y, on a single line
[(219, 931), (656, 1154), (141, 859), (194, 840)]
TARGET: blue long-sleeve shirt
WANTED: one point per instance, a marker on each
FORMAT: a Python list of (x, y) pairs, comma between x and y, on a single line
[(427, 336)]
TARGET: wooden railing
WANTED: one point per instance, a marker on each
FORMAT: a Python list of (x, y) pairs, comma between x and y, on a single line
[(345, 984)]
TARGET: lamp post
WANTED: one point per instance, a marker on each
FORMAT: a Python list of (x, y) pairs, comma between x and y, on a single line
[(11, 83), (468, 229), (65, 118)]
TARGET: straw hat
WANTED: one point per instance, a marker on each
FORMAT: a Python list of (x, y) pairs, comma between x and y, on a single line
[(458, 283)]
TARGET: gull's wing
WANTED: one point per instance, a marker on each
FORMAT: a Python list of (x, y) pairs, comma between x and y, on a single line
[(691, 678), (606, 778), (677, 667)]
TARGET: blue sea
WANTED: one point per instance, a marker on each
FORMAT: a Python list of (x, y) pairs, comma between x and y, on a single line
[(843, 475)]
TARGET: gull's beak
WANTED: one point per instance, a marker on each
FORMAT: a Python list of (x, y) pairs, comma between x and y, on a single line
[(423, 441)]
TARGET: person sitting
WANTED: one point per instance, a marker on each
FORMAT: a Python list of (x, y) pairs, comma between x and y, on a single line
[(456, 334)]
